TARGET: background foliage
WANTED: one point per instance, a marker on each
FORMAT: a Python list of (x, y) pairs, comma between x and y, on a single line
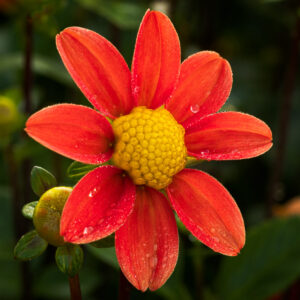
[(260, 38)]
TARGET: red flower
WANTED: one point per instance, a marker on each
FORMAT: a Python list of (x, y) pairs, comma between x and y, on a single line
[(149, 147)]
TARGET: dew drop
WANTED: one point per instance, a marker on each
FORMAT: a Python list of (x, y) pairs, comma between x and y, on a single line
[(212, 230), (194, 108), (93, 192), (87, 230), (94, 98), (153, 262), (120, 221), (136, 90)]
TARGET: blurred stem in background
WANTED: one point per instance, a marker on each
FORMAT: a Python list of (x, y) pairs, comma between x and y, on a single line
[(26, 164), (21, 194), (27, 89), (27, 82), (284, 115)]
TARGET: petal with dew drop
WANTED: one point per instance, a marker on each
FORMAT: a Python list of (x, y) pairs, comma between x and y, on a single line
[(204, 85), (227, 136), (98, 69), (147, 244), (208, 211), (156, 60), (75, 131), (99, 205)]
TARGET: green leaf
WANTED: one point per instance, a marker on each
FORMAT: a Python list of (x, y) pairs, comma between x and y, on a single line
[(78, 169), (28, 209), (107, 255), (29, 246), (105, 243), (125, 15), (69, 259), (268, 264), (41, 180)]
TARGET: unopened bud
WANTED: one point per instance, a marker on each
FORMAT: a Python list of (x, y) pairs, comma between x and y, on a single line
[(47, 214)]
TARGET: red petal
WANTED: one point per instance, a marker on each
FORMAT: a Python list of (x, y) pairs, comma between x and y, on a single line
[(204, 85), (229, 135), (75, 131), (156, 60), (99, 204), (208, 211), (147, 245), (98, 69)]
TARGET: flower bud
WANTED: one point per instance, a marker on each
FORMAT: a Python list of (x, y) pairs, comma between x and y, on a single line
[(47, 214), (9, 116)]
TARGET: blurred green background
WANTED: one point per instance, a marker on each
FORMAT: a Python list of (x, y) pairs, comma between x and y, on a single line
[(260, 39)]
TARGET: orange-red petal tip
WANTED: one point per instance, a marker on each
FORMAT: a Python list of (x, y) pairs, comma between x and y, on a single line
[(98, 69), (204, 85), (147, 244), (208, 211), (99, 205), (156, 60), (75, 131), (227, 136)]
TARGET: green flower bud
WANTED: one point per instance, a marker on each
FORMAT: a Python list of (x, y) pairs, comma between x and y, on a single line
[(9, 116), (47, 213)]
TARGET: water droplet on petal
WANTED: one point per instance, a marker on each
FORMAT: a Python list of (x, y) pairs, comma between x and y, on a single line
[(120, 221), (136, 90), (212, 230), (87, 230), (207, 94), (153, 262), (194, 108), (94, 98)]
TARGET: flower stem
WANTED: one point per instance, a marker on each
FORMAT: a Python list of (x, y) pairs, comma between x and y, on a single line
[(27, 89), (75, 288), (124, 288)]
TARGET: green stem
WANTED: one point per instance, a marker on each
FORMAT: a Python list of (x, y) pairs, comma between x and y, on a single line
[(75, 288)]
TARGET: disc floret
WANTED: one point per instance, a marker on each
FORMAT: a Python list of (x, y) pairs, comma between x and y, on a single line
[(149, 146)]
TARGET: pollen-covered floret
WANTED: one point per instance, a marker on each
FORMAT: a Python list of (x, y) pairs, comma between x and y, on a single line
[(149, 146)]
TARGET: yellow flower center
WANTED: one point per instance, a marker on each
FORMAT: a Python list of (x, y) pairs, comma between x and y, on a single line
[(149, 146)]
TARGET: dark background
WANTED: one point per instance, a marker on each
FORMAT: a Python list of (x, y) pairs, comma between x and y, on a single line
[(260, 39)]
